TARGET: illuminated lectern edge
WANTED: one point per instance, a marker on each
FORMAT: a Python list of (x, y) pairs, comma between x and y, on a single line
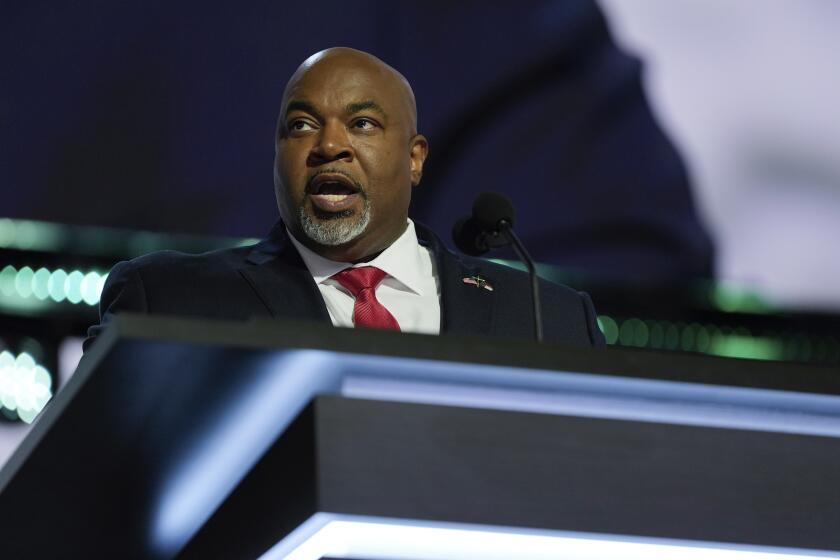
[(374, 538)]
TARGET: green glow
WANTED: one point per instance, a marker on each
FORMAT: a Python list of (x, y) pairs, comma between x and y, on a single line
[(26, 415), (25, 386), (56, 285), (26, 236), (25, 360), (731, 298), (609, 327), (143, 242), (40, 284), (657, 335), (26, 289), (29, 235), (101, 285), (7, 232), (7, 280), (90, 288), (633, 332), (73, 286), (737, 346), (23, 282), (641, 334)]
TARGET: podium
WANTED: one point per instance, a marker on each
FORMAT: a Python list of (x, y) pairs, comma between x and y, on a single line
[(202, 439)]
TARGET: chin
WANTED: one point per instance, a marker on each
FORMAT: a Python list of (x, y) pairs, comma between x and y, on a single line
[(333, 230)]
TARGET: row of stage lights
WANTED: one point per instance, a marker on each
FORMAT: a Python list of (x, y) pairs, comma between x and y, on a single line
[(58, 285), (80, 287), (718, 341), (25, 386)]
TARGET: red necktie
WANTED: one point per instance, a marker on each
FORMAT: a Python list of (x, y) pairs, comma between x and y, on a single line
[(367, 311)]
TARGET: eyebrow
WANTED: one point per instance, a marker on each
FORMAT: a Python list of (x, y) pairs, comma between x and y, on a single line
[(304, 106), (359, 106), (350, 108)]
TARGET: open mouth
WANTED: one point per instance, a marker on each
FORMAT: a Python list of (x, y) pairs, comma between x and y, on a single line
[(333, 192)]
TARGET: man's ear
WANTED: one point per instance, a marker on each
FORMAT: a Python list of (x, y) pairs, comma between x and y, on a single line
[(417, 155)]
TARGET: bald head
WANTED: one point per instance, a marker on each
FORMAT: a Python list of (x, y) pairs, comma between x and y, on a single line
[(347, 60)]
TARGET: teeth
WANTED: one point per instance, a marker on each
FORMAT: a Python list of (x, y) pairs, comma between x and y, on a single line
[(334, 197)]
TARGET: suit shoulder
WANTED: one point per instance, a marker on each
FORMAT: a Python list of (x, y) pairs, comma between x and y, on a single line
[(178, 262)]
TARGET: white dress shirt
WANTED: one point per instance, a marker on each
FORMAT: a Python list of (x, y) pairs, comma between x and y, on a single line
[(410, 290)]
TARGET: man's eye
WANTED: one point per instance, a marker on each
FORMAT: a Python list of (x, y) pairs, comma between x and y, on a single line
[(364, 124), (300, 126)]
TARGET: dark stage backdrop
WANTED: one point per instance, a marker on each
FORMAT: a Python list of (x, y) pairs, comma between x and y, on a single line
[(160, 115)]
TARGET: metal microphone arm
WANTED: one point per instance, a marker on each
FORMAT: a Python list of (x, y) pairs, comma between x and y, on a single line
[(506, 230)]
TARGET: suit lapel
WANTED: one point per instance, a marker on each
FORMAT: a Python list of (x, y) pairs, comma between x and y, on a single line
[(465, 307), (278, 275)]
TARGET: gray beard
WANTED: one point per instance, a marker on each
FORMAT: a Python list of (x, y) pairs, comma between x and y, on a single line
[(336, 230)]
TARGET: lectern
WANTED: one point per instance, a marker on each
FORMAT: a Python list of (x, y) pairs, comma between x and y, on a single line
[(200, 439)]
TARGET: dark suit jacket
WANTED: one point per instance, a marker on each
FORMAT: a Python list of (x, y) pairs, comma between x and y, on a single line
[(270, 280)]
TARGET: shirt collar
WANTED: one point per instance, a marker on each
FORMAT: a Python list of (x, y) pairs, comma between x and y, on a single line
[(401, 260)]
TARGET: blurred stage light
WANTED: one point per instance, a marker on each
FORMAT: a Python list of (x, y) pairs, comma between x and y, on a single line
[(25, 386), (718, 341), (657, 335), (91, 288), (40, 284), (56, 285), (7, 281), (27, 235), (76, 286), (23, 281), (609, 327), (73, 286)]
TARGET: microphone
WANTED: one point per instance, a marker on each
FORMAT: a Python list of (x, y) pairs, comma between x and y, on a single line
[(491, 227), (469, 237), (478, 233)]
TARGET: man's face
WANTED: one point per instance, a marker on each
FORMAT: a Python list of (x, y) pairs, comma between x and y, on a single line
[(346, 157)]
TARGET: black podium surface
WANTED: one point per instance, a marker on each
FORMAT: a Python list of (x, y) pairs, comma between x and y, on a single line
[(207, 439)]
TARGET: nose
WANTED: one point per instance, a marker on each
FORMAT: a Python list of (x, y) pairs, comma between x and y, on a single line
[(333, 144)]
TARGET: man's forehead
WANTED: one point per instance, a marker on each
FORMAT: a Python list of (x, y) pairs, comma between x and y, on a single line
[(342, 84), (343, 77)]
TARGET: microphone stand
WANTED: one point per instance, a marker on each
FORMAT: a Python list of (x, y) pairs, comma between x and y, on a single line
[(506, 230)]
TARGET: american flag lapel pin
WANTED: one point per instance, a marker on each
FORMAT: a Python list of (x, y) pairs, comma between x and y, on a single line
[(478, 282)]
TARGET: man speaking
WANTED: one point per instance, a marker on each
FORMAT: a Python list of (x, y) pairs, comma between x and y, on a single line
[(347, 154)]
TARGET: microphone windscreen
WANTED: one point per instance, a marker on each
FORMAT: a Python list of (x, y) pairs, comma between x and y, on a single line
[(491, 208), (467, 236)]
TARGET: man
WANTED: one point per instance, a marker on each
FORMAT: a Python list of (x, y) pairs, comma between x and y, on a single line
[(347, 154)]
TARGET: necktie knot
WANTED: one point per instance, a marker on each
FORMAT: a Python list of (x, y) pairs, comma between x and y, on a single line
[(358, 279), (367, 311)]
